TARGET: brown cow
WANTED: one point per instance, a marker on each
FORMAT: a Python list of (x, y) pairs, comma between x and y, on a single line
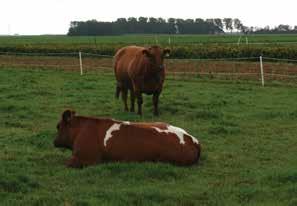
[(95, 140), (140, 70)]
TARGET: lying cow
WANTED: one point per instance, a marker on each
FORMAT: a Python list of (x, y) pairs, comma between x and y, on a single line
[(96, 140), (140, 70)]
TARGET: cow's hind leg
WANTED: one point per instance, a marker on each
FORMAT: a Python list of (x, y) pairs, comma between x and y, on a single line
[(124, 97), (132, 100), (156, 102), (139, 101), (118, 91)]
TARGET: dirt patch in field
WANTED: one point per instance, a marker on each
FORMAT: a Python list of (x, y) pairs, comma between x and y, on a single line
[(184, 68), (65, 63)]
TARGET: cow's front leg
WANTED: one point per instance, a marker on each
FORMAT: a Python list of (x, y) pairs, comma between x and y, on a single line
[(74, 162), (156, 102), (139, 101)]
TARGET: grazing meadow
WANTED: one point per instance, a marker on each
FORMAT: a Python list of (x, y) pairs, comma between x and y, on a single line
[(247, 133)]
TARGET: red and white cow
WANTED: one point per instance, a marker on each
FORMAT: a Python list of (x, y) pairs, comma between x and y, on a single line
[(96, 140)]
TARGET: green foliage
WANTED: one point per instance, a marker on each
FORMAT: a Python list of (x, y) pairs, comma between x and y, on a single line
[(248, 137), (153, 26), (182, 46)]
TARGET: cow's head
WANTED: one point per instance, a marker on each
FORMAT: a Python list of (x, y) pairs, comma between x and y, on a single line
[(156, 56), (65, 134)]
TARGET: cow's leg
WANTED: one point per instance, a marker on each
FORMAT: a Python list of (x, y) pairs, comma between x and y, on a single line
[(118, 90), (124, 97), (139, 101), (156, 102), (74, 162), (81, 158), (132, 99)]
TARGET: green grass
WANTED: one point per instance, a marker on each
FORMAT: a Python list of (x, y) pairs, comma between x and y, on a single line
[(144, 39), (248, 137)]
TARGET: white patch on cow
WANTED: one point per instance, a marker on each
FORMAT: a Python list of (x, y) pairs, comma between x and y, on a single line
[(179, 132), (108, 134), (126, 123)]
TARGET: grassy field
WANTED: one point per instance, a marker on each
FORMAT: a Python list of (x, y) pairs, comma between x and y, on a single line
[(143, 39), (248, 137)]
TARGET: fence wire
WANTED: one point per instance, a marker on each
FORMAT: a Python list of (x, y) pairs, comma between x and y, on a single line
[(222, 68)]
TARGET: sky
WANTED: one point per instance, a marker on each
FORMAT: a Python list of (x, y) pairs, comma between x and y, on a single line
[(35, 17)]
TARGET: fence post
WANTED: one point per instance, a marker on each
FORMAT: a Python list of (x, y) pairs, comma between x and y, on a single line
[(80, 63), (262, 72)]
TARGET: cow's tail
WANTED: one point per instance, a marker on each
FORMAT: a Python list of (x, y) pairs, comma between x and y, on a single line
[(118, 91)]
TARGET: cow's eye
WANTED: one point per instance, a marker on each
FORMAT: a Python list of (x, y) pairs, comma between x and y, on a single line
[(58, 126)]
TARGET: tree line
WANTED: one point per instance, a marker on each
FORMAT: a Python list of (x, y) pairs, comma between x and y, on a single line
[(145, 25), (280, 29), (151, 25)]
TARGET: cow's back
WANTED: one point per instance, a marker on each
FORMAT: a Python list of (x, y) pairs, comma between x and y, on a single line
[(150, 142)]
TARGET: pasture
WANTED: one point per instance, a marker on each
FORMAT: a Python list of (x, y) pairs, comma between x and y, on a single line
[(248, 137)]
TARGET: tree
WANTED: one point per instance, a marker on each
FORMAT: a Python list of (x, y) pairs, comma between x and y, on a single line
[(132, 20), (189, 21), (283, 27), (219, 23), (121, 20), (142, 20), (153, 20), (171, 20), (146, 25), (228, 24), (199, 21), (142, 25), (237, 24), (211, 21), (161, 20)]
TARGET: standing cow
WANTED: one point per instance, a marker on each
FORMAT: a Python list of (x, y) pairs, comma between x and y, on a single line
[(140, 70), (95, 140)]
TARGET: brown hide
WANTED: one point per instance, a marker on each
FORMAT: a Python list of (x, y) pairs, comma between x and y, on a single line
[(140, 70), (95, 140)]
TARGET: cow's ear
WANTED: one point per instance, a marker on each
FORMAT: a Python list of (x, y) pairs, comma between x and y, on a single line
[(146, 52), (166, 52), (68, 115)]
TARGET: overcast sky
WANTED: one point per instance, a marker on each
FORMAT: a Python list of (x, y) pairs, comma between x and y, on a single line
[(27, 17)]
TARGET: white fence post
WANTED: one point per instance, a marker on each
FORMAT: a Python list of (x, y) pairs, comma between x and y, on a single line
[(262, 72), (80, 63)]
